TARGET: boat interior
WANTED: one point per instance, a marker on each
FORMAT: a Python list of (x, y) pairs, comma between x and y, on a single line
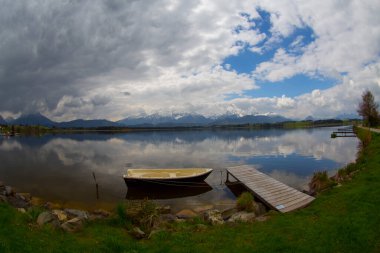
[(166, 173)]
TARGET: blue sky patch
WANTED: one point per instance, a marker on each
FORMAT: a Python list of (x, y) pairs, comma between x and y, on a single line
[(247, 61), (292, 87)]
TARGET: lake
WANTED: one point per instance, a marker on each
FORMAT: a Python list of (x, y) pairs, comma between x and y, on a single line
[(59, 168)]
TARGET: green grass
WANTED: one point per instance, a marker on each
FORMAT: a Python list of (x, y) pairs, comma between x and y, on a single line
[(343, 219)]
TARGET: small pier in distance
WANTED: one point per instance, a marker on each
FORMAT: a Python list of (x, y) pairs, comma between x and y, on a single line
[(275, 194), (344, 132)]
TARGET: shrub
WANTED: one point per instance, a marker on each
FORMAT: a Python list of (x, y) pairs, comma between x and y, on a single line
[(320, 182), (245, 202), (148, 215)]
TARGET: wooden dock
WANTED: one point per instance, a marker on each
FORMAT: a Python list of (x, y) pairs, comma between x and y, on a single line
[(275, 194)]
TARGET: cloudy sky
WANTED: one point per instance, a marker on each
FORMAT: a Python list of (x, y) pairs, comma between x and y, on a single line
[(117, 58)]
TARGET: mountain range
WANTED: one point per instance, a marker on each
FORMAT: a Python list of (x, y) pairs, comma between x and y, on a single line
[(154, 120)]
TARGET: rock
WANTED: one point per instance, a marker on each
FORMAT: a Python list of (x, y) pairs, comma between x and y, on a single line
[(180, 220), (260, 209), (21, 210), (168, 217), (24, 196), (61, 215), (101, 212), (226, 214), (8, 191), (77, 213), (186, 214), (214, 217), (262, 218), (138, 233), (201, 227), (18, 203), (73, 225), (164, 209), (202, 209), (47, 218), (242, 217)]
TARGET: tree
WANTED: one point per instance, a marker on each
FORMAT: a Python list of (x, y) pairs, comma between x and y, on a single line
[(368, 109)]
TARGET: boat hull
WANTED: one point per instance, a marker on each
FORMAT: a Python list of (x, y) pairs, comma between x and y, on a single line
[(185, 181), (166, 191)]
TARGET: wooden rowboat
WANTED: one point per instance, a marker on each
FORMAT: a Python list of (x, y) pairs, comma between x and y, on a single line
[(182, 176)]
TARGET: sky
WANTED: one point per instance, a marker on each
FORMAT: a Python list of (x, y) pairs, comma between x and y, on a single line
[(113, 59)]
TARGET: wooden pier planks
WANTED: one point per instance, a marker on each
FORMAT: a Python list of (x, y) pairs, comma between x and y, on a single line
[(277, 195)]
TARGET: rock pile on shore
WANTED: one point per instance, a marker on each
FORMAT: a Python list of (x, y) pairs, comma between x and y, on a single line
[(72, 220), (69, 220)]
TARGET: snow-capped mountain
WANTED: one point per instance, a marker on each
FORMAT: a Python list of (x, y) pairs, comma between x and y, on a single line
[(200, 120)]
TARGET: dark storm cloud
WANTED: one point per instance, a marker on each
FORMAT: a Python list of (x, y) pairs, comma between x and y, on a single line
[(48, 48)]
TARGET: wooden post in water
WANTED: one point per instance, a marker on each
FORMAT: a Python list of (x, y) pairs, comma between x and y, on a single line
[(97, 186)]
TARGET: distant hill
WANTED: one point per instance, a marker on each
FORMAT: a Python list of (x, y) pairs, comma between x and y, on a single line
[(39, 119), (33, 119), (154, 120), (348, 116), (81, 123), (249, 119), (2, 121)]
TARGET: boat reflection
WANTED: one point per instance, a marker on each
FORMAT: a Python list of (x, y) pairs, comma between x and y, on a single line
[(166, 191)]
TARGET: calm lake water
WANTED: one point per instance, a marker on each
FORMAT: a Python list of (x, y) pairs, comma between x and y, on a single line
[(59, 168)]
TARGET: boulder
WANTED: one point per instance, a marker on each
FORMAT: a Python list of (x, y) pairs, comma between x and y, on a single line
[(242, 217), (24, 196), (73, 225), (168, 217), (186, 214), (101, 212), (138, 233), (227, 213), (47, 218), (98, 214), (260, 209), (18, 203), (77, 213), (21, 210), (202, 209), (214, 217), (61, 215), (8, 191), (262, 218)]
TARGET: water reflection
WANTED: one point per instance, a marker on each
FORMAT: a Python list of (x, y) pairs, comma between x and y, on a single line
[(162, 191), (60, 167)]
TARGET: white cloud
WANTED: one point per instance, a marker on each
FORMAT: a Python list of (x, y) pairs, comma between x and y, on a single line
[(111, 59)]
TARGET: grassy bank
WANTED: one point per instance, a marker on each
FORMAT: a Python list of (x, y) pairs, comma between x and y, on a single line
[(344, 219)]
